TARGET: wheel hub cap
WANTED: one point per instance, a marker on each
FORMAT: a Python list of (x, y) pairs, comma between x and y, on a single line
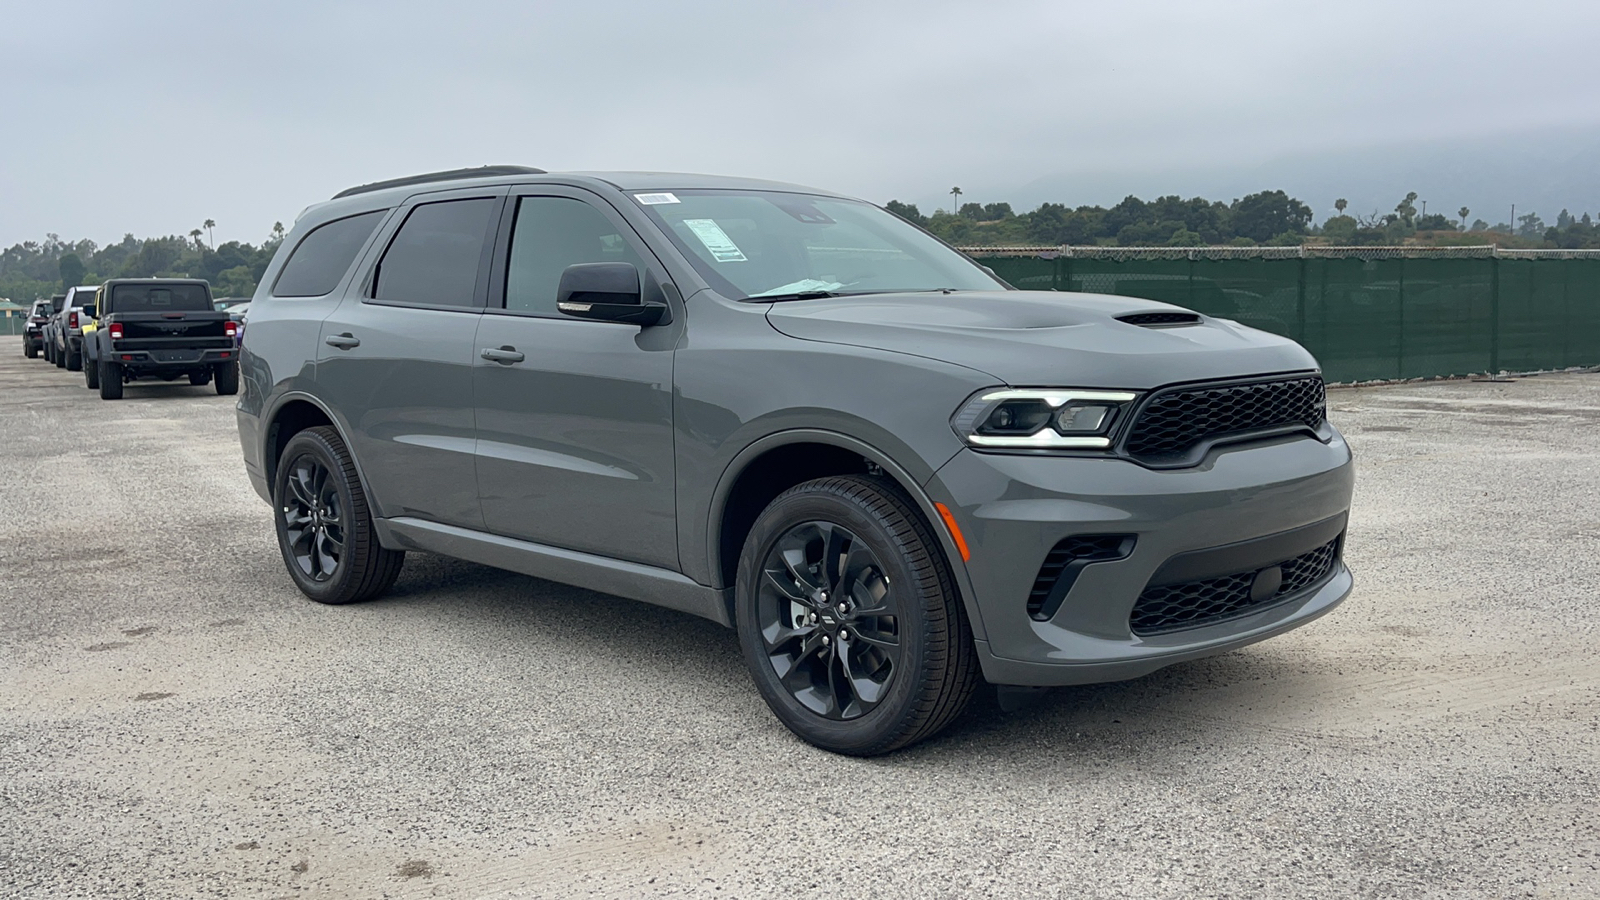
[(313, 519), (828, 620)]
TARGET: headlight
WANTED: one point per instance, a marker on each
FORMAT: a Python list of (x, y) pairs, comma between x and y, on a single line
[(1042, 419)]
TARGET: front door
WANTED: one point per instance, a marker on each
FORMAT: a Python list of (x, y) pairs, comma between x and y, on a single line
[(574, 417), (396, 361)]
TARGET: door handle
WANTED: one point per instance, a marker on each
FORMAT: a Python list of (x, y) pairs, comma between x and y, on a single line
[(506, 354), (342, 341)]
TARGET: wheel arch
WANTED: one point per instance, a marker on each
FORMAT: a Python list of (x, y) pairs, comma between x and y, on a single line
[(291, 414), (760, 472)]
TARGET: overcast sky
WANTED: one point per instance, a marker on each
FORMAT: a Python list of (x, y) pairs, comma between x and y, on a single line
[(153, 116)]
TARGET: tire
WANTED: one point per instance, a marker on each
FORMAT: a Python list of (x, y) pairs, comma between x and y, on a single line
[(199, 378), (110, 378), (57, 357), (27, 349), (74, 359), (922, 649), (48, 356), (316, 484), (227, 376), (91, 374)]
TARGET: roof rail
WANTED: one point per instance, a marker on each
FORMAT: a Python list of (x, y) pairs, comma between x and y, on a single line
[(448, 175)]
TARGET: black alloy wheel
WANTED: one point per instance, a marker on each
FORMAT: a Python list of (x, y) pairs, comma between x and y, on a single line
[(829, 620), (849, 619), (325, 527), (313, 519)]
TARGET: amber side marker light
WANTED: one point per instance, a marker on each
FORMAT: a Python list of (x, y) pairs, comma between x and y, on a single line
[(955, 530)]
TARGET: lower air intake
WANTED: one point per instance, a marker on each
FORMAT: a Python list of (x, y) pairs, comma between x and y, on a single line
[(1194, 604)]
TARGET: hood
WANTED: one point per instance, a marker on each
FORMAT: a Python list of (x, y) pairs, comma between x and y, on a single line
[(1044, 338)]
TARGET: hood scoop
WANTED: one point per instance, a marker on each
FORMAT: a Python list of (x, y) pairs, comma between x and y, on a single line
[(1160, 319)]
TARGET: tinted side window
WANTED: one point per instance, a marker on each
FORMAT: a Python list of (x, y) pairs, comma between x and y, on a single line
[(323, 256), (550, 234), (433, 259)]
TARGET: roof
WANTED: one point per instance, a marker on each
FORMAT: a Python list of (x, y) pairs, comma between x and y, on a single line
[(383, 193), (686, 181), (115, 281)]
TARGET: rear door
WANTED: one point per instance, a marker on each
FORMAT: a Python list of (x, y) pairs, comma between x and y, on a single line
[(575, 427), (396, 357)]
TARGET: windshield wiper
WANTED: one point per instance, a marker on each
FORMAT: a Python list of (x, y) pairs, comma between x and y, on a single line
[(801, 295), (814, 295)]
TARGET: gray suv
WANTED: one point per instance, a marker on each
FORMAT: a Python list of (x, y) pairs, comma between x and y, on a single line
[(792, 413)]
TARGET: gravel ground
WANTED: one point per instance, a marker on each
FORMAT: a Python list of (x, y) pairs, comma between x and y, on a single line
[(176, 720)]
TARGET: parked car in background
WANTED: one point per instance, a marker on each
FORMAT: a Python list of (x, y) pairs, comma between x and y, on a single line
[(239, 313), (33, 331), (164, 328), (227, 303), (795, 414), (49, 328), (77, 309)]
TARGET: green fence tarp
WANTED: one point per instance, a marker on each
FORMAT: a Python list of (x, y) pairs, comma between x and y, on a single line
[(1366, 313)]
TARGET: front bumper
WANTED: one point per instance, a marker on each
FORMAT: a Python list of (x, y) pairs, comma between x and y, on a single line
[(1013, 509)]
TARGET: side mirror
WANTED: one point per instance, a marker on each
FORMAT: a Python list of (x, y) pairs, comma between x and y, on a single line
[(607, 292)]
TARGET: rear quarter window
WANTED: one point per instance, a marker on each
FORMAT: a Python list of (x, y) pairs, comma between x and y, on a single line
[(322, 257)]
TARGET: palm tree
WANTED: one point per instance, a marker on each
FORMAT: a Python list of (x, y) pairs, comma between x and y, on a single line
[(210, 238), (195, 234), (1340, 204), (1462, 212), (955, 200)]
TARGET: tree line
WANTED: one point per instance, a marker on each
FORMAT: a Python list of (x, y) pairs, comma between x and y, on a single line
[(35, 269), (1269, 218), (1273, 218)]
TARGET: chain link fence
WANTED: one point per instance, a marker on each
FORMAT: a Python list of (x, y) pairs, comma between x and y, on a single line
[(1368, 313)]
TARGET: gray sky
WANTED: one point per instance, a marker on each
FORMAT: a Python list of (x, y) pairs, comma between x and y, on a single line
[(151, 117)]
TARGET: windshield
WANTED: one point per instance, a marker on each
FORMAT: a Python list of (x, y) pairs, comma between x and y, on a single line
[(764, 245), (160, 298)]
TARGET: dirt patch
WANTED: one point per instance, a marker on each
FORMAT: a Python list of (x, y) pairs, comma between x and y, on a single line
[(108, 645), (154, 695), (140, 632), (415, 868)]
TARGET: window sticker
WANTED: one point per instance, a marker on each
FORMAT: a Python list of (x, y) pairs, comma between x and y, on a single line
[(722, 247), (801, 286), (656, 199)]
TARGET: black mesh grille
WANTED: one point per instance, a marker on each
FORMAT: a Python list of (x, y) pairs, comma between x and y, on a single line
[(1175, 420), (1079, 548), (1172, 607), (1160, 318)]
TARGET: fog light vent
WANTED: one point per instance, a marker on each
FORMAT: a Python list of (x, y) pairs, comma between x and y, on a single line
[(1065, 561)]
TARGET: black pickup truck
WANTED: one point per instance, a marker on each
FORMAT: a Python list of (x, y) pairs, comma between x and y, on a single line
[(159, 328)]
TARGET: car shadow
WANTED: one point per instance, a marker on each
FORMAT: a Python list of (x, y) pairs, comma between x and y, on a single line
[(1225, 700)]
